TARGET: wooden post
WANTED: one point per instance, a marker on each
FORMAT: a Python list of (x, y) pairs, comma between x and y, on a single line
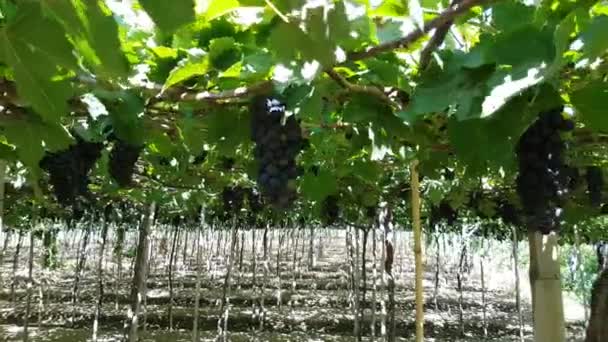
[(3, 170), (415, 185), (139, 277), (546, 288)]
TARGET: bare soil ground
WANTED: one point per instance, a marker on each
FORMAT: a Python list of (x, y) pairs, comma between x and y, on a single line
[(314, 301)]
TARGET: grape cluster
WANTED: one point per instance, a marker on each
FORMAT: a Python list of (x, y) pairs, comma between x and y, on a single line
[(543, 179), (108, 212), (227, 163), (476, 199), (370, 212), (508, 213), (254, 199), (595, 183), (122, 162), (176, 221), (443, 212), (330, 211), (200, 158), (69, 170), (233, 198), (255, 205), (278, 141)]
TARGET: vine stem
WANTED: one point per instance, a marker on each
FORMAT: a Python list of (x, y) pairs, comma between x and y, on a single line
[(356, 88), (445, 17), (277, 11), (437, 39)]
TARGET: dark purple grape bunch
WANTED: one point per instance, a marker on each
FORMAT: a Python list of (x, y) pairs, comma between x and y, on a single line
[(444, 212), (330, 210), (595, 184), (278, 141), (233, 198), (123, 158), (69, 170), (544, 179)]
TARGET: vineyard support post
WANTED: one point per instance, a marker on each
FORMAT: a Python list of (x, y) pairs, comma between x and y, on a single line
[(30, 281), (100, 282), (415, 186), (197, 295), (139, 276), (520, 317), (545, 281), (3, 170), (16, 266), (597, 329)]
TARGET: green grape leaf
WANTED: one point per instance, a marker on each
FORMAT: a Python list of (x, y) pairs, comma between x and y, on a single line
[(8, 10), (160, 143), (589, 102), (55, 136), (31, 137), (367, 171), (363, 109), (7, 152), (593, 37), (34, 47), (563, 32), (194, 134), (384, 72), (537, 44), (369, 199), (285, 6), (318, 187), (491, 141), (311, 107), (188, 68), (387, 32), (126, 120), (416, 13), (223, 53), (95, 33), (169, 15), (39, 32), (458, 86), (321, 47), (435, 192), (503, 15), (338, 23), (256, 66), (286, 40), (27, 141), (218, 8), (391, 8), (227, 129)]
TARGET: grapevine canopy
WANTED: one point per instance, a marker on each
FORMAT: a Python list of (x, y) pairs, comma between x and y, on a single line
[(375, 84)]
